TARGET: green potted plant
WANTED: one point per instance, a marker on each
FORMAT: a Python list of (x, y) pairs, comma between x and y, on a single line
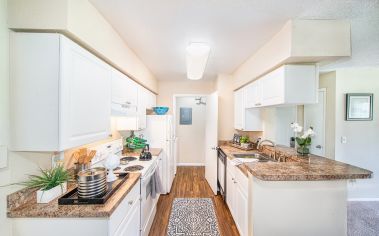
[(245, 141), (51, 183), (304, 141)]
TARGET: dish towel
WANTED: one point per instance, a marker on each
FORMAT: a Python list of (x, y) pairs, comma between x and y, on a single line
[(156, 187)]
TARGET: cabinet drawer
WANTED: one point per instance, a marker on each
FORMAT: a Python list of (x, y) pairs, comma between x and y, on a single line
[(241, 180), (124, 208)]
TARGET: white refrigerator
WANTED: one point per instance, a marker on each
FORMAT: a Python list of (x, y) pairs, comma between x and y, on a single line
[(159, 133)]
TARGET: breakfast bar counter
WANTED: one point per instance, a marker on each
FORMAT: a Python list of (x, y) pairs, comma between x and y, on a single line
[(295, 167)]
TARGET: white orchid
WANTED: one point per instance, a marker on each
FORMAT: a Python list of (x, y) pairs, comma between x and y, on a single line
[(305, 140), (296, 127)]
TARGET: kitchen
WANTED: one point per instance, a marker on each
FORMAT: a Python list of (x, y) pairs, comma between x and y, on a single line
[(83, 79)]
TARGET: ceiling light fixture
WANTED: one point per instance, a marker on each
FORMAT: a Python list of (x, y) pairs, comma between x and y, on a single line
[(197, 57)]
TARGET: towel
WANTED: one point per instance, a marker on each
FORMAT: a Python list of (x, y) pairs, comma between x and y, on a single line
[(156, 187)]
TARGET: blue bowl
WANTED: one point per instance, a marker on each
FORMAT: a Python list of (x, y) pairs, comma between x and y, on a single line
[(160, 110)]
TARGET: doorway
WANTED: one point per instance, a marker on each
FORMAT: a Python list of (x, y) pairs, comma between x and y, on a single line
[(314, 116), (190, 127)]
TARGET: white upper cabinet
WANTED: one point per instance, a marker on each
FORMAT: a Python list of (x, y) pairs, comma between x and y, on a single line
[(60, 93), (287, 85), (124, 95), (245, 119), (253, 95), (151, 100)]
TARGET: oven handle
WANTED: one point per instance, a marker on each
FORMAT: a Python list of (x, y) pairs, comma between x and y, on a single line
[(151, 173)]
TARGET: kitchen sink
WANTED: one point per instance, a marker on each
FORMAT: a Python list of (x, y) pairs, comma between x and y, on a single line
[(260, 157)]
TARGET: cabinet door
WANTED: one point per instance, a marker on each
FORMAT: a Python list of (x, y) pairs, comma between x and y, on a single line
[(152, 100), (131, 223), (241, 209), (239, 109), (124, 95), (230, 190), (85, 96), (273, 87), (253, 95), (143, 100)]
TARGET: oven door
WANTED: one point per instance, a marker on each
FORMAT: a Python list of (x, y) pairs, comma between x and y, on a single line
[(148, 203)]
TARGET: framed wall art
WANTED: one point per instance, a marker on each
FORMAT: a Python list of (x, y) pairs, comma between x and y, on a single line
[(359, 106)]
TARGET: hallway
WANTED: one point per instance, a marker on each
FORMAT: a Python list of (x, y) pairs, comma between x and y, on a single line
[(190, 183)]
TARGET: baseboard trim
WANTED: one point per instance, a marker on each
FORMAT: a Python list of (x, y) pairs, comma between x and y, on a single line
[(190, 164), (363, 199)]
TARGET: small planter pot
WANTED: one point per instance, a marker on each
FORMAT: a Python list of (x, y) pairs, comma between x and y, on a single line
[(51, 194), (303, 150)]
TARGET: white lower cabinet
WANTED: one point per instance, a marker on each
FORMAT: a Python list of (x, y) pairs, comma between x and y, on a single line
[(237, 198), (124, 221), (131, 223)]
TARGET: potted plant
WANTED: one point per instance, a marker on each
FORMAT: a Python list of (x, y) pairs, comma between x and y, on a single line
[(51, 183), (303, 141), (245, 141)]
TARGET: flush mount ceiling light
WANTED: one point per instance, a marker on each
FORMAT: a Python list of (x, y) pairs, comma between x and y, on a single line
[(197, 57)]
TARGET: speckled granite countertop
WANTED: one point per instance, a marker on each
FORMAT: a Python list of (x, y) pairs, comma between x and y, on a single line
[(297, 168), (23, 204), (29, 207)]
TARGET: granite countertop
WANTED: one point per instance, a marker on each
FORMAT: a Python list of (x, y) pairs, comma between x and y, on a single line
[(23, 204), (296, 168)]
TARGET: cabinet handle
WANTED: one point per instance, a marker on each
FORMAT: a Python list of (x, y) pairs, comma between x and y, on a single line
[(235, 182), (130, 202), (258, 104)]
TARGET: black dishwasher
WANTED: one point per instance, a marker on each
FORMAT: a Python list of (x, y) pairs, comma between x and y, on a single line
[(221, 173)]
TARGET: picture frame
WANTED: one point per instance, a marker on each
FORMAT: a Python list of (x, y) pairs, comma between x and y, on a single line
[(359, 106)]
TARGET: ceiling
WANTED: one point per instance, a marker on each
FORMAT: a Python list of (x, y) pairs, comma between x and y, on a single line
[(160, 30)]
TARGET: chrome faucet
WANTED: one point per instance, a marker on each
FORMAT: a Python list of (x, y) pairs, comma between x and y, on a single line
[(272, 144)]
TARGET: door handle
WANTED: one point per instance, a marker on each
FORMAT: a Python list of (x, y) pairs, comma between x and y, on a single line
[(319, 146)]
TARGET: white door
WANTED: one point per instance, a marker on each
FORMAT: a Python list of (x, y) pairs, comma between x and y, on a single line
[(314, 115), (211, 125)]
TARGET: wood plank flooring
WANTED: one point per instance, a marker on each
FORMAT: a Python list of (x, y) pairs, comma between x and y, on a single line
[(190, 183)]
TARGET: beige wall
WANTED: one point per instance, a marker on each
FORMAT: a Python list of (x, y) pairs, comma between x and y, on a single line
[(80, 20), (299, 41), (224, 87), (361, 148), (328, 81), (167, 89), (20, 164)]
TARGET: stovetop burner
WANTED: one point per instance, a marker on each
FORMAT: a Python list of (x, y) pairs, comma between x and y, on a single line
[(126, 160), (133, 168)]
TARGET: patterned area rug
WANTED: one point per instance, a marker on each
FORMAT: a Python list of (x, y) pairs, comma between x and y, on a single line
[(193, 217)]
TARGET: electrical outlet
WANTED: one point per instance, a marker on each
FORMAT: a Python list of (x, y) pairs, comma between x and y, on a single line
[(57, 159), (343, 139), (3, 156)]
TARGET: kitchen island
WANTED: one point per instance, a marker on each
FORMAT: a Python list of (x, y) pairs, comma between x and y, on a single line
[(296, 197)]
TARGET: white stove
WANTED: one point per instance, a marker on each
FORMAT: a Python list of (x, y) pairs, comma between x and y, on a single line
[(147, 168)]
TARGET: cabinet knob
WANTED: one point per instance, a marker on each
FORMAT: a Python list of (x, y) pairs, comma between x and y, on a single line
[(130, 202)]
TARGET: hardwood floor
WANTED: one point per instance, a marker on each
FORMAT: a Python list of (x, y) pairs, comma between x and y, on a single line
[(190, 183)]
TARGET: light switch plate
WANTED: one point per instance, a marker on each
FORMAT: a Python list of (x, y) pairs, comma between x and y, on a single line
[(343, 139), (3, 156)]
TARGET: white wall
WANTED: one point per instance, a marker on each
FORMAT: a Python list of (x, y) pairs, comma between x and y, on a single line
[(191, 137), (361, 148), (20, 164)]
